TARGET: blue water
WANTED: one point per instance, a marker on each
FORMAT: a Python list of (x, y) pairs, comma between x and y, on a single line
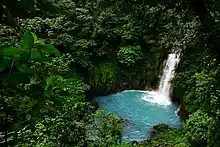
[(141, 115)]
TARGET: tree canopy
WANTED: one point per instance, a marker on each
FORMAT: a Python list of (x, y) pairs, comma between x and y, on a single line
[(56, 55)]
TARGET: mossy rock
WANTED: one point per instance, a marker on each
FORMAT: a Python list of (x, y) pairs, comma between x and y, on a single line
[(161, 127), (157, 129)]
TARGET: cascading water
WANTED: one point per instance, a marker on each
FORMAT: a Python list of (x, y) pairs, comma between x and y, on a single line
[(168, 74), (162, 95)]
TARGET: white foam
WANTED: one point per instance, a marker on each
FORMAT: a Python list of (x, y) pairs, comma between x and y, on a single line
[(168, 74), (156, 98), (162, 95)]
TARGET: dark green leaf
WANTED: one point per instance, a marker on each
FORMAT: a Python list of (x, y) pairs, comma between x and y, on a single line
[(25, 56), (10, 52), (20, 67), (27, 41), (29, 5), (24, 68), (37, 89), (17, 78), (38, 57), (4, 64), (48, 48)]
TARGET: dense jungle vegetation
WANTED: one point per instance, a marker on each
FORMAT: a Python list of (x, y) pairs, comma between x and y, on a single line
[(56, 55)]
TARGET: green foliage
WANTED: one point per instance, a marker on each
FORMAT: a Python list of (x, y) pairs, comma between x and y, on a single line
[(4, 64), (198, 128), (107, 131), (19, 59), (129, 55), (197, 82), (103, 74), (169, 138), (113, 45), (201, 88), (50, 49), (68, 130), (62, 130), (49, 109), (73, 89)]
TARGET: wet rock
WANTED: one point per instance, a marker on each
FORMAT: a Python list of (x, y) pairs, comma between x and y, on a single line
[(126, 122), (160, 127), (183, 113)]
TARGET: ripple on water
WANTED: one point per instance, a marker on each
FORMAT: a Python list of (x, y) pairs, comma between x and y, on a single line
[(142, 109)]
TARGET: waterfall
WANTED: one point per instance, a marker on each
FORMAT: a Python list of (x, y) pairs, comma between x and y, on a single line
[(162, 95), (168, 74)]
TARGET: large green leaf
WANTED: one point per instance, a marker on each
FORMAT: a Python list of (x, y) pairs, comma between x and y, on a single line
[(48, 48), (25, 56), (27, 41), (38, 57), (4, 64), (10, 52)]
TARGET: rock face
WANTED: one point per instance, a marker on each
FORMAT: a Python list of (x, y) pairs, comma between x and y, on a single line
[(123, 82), (176, 97), (183, 112)]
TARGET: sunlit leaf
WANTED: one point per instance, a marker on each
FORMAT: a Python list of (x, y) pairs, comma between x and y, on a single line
[(34, 36), (49, 80), (41, 42)]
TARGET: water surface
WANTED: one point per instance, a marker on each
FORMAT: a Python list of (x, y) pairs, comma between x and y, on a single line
[(141, 110)]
